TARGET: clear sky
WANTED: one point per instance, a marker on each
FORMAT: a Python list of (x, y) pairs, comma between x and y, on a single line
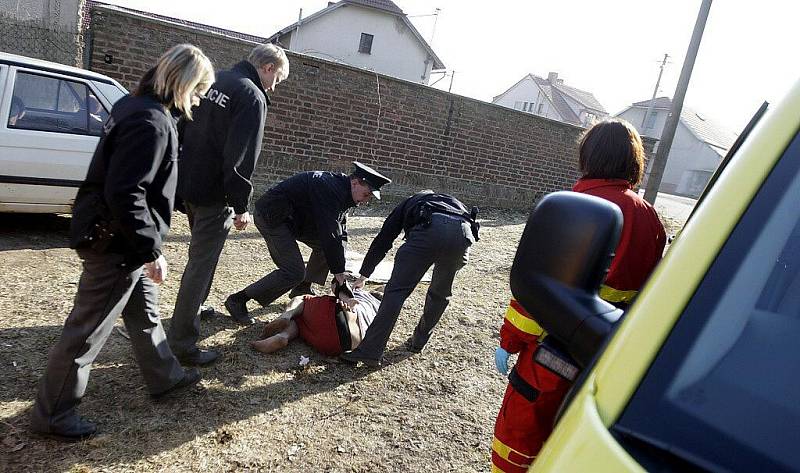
[(611, 48)]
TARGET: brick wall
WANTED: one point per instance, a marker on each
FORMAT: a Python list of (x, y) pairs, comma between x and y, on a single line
[(326, 115)]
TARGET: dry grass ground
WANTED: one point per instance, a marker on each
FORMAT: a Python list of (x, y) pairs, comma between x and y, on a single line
[(253, 412), (256, 412)]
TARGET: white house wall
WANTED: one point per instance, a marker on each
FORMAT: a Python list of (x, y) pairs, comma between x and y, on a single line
[(336, 36), (688, 155), (527, 92)]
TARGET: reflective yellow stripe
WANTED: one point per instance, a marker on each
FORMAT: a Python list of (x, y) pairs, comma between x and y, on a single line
[(503, 450), (523, 323), (610, 294)]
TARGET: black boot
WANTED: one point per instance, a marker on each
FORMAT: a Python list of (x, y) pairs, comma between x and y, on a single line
[(81, 429), (190, 377), (237, 306)]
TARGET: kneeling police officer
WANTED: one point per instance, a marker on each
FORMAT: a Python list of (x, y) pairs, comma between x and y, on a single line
[(310, 207)]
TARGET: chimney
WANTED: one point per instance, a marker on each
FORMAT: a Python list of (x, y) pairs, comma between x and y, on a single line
[(331, 3), (552, 77)]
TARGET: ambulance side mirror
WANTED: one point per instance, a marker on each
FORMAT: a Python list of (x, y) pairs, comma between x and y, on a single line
[(561, 261)]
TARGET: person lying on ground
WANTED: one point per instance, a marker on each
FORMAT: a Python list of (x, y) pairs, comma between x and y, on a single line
[(328, 324)]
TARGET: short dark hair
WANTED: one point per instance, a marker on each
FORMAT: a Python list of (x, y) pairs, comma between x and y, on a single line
[(612, 149), (17, 106)]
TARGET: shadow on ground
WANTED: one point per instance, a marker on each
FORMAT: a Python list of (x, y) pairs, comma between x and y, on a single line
[(118, 402), (34, 231)]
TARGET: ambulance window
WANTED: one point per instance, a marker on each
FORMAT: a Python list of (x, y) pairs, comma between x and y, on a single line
[(723, 394)]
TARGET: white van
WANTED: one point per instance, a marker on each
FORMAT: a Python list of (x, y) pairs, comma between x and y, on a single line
[(51, 117)]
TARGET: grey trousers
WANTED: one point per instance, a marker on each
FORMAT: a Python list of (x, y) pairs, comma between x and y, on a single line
[(210, 226), (444, 244), (105, 291), (291, 271)]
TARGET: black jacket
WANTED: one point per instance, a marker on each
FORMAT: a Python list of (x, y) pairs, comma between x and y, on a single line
[(130, 186), (413, 211), (314, 205), (220, 146)]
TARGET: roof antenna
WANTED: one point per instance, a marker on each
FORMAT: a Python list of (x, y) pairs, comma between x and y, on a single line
[(435, 19), (435, 16)]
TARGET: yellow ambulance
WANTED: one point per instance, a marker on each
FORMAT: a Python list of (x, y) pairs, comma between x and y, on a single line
[(703, 372)]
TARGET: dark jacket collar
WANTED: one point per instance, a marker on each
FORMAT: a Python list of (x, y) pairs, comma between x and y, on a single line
[(249, 71), (348, 194)]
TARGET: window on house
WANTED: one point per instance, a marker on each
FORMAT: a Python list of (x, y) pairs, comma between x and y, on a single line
[(651, 120), (365, 46), (524, 106), (530, 106), (541, 107), (518, 105)]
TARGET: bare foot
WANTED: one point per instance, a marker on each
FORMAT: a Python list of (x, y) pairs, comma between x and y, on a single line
[(276, 326), (271, 344)]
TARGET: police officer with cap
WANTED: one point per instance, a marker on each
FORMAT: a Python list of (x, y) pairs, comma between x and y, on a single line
[(310, 207)]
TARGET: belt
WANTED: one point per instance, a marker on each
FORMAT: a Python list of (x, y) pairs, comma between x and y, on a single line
[(449, 216), (521, 386)]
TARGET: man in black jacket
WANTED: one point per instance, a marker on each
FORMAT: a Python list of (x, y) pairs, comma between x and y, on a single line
[(310, 207), (220, 148), (439, 231)]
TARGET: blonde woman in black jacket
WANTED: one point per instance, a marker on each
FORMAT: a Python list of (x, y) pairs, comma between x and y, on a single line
[(120, 218)]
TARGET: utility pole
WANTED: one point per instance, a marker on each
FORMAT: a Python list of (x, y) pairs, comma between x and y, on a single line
[(668, 134), (452, 75), (655, 92)]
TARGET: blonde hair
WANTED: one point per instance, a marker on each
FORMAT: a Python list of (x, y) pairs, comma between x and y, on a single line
[(270, 54), (180, 73)]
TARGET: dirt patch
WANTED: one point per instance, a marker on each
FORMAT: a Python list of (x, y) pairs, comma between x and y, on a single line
[(256, 412)]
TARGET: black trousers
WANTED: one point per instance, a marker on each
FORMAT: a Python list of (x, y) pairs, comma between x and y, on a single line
[(105, 291), (444, 244), (210, 226), (291, 271)]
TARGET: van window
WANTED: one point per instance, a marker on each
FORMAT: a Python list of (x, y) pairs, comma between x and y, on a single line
[(50, 104), (723, 393)]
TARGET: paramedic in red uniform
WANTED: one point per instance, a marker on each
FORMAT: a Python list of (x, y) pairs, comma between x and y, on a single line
[(611, 161)]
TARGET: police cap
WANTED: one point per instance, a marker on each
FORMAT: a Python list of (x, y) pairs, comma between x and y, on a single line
[(372, 177)]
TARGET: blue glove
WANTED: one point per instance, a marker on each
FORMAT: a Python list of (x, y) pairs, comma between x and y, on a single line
[(501, 360)]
